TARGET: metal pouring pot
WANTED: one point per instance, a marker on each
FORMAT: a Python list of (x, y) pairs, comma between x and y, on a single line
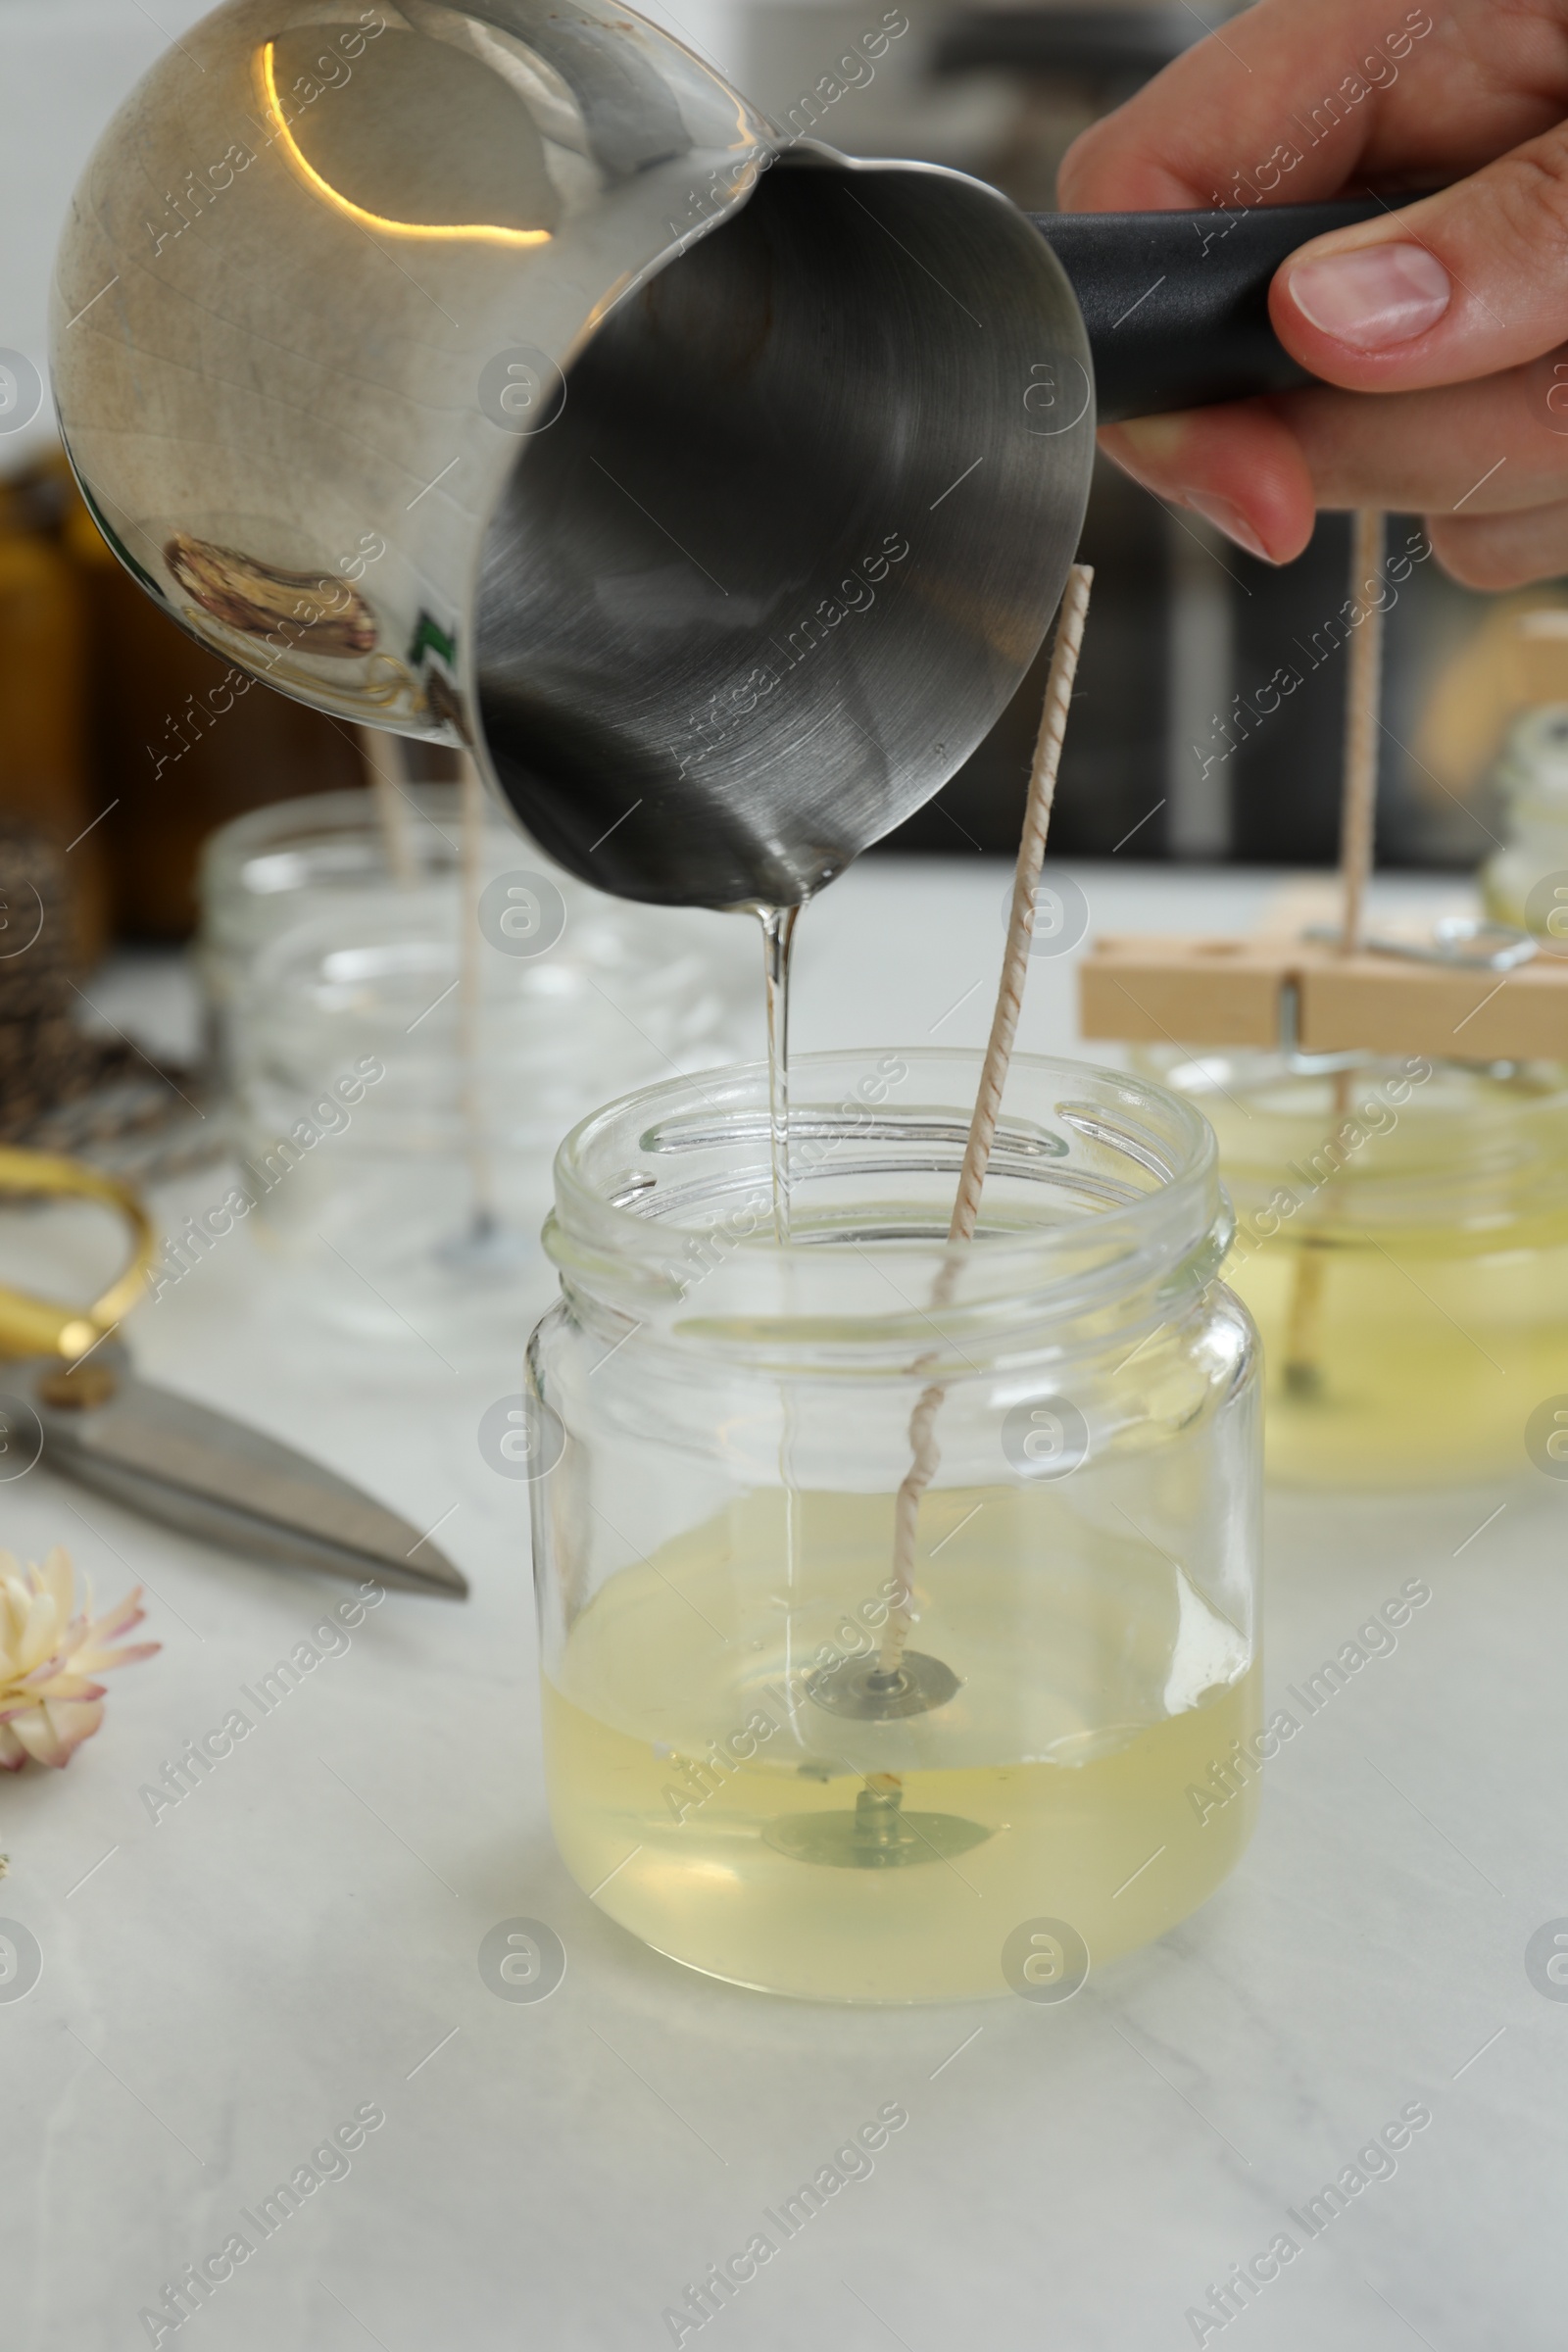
[(497, 374)]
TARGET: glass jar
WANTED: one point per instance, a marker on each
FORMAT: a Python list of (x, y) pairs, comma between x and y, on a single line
[(276, 867), (767, 1755), (396, 1127), (1402, 1240), (326, 860), (1532, 777)]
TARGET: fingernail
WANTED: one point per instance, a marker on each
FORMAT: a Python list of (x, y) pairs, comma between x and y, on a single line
[(1373, 297), (1232, 521)]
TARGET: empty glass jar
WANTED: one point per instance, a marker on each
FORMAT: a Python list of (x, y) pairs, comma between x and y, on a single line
[(276, 867), (774, 1753), (474, 1020)]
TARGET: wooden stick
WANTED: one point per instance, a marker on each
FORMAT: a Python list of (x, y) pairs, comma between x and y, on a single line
[(924, 1452), (1363, 696), (1358, 807), (383, 758)]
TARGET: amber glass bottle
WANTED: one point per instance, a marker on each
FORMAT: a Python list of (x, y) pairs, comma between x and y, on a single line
[(181, 742), (45, 781)]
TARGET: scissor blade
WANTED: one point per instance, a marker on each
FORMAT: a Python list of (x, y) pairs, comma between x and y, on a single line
[(198, 1470)]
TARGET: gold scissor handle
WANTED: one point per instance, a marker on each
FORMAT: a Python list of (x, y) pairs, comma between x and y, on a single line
[(31, 1326)]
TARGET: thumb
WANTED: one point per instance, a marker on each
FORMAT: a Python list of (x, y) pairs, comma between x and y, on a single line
[(1460, 285)]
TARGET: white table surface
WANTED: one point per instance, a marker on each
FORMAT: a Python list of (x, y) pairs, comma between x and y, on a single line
[(299, 1936)]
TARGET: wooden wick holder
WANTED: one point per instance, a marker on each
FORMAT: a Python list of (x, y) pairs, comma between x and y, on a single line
[(1275, 991)]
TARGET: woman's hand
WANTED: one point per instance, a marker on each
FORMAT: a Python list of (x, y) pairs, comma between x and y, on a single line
[(1451, 312)]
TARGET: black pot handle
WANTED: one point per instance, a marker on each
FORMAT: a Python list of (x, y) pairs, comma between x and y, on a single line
[(1176, 304)]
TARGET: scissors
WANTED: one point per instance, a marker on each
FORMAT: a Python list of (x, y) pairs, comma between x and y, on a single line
[(76, 1403)]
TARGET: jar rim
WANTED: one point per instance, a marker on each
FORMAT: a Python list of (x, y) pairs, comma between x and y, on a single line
[(1416, 1142), (1125, 1178)]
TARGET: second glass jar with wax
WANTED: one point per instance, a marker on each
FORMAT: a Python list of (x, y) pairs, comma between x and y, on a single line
[(1403, 1245), (787, 1748)]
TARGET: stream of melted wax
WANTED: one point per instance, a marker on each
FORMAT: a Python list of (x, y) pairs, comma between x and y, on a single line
[(778, 937)]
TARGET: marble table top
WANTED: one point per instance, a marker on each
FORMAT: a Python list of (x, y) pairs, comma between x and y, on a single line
[(278, 1978)]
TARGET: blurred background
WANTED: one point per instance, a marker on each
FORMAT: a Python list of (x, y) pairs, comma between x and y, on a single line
[(112, 769)]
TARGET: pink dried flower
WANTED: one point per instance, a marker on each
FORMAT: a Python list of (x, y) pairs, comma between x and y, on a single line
[(49, 1702)]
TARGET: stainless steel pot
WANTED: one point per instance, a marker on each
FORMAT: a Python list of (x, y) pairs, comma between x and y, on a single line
[(496, 374)]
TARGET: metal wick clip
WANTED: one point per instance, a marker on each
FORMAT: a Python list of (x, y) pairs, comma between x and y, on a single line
[(1469, 941), (1465, 943)]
